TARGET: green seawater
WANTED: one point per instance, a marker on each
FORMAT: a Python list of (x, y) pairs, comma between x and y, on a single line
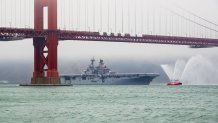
[(109, 104)]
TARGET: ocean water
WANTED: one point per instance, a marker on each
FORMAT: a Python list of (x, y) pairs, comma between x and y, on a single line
[(109, 104)]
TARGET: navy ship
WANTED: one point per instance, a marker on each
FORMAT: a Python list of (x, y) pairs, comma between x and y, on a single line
[(101, 75)]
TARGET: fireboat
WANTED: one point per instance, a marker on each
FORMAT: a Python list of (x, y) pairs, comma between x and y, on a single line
[(174, 83)]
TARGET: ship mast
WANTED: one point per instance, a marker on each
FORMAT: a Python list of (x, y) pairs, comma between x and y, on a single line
[(92, 61)]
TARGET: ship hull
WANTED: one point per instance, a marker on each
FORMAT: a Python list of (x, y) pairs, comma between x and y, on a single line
[(145, 80)]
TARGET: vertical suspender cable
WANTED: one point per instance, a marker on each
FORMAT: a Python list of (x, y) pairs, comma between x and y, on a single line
[(72, 17), (20, 13), (11, 14), (122, 16), (25, 13), (180, 26), (5, 13), (176, 27), (2, 20), (172, 25), (108, 14), (15, 14), (216, 32), (30, 13), (142, 16), (115, 15), (210, 31), (148, 21), (69, 9), (193, 29), (128, 16), (93, 15), (101, 15), (197, 31), (1, 11), (135, 18), (8, 15), (154, 14), (183, 27), (77, 1), (160, 18), (61, 13), (187, 28), (205, 31), (79, 5), (86, 15), (166, 26), (64, 14)]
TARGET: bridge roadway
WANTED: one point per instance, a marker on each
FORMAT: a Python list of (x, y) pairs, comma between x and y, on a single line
[(12, 34)]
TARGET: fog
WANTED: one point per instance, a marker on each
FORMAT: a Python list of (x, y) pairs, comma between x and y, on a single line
[(16, 57), (21, 72)]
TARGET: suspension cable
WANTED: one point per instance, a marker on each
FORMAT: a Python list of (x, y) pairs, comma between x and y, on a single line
[(191, 20), (191, 13)]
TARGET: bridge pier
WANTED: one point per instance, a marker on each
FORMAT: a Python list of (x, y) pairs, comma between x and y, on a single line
[(45, 48)]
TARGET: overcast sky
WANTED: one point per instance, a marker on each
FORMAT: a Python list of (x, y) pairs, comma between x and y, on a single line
[(74, 50)]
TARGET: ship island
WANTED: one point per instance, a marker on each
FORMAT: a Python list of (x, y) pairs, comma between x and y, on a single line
[(102, 75)]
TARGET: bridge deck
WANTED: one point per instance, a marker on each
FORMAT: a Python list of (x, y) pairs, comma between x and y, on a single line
[(11, 34)]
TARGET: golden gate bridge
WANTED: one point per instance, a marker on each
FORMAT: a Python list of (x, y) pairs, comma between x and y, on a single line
[(97, 20)]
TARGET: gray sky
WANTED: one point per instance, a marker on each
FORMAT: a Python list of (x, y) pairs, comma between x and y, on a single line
[(23, 50)]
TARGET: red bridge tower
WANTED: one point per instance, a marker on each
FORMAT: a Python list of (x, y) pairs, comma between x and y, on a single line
[(45, 48)]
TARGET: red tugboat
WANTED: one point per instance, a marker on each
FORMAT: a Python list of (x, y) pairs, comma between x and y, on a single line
[(174, 83)]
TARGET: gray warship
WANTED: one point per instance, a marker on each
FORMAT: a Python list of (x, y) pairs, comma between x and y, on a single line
[(101, 75)]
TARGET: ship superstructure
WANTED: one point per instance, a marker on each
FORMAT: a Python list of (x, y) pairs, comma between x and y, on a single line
[(101, 75)]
